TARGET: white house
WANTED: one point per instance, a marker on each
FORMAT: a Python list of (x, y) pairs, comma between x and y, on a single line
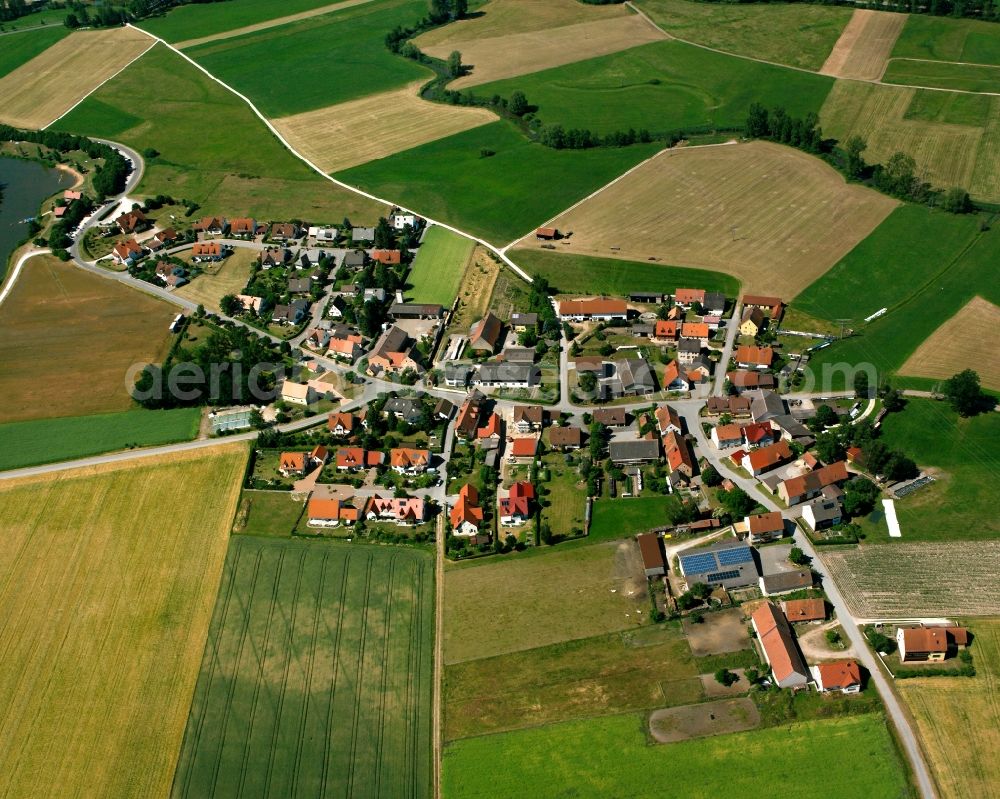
[(297, 393)]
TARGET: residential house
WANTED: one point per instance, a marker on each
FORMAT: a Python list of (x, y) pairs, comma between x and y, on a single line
[(242, 227), (496, 374), (565, 438), (839, 675), (302, 285), (630, 453), (766, 458), (392, 354), (162, 238), (274, 256), (685, 298), (354, 459), (611, 417), (467, 421), (322, 234), (599, 309), (727, 564), (679, 456), (290, 463), (517, 355), (444, 410), (696, 331), (635, 377), (405, 460), (284, 231), (713, 321), (515, 508), (342, 425), (484, 335), (799, 610), (290, 314), (929, 643), (528, 418), (752, 322), (361, 234), (734, 406), (466, 516), (713, 303), (132, 221), (165, 270), (250, 303), (400, 510), (330, 513), (809, 485), (210, 225), (354, 259), (822, 513), (298, 393), (785, 582), (127, 252), (406, 409), (346, 347), (770, 305), (759, 434), (742, 379), (673, 380), (666, 330), (749, 356), (764, 527), (523, 322), (208, 251), (522, 449), (457, 374), (401, 219), (667, 420), (490, 430), (387, 257), (725, 436), (651, 550), (780, 648)]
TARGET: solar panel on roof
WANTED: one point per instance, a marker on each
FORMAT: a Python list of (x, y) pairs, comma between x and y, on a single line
[(698, 564), (730, 557), (718, 577)]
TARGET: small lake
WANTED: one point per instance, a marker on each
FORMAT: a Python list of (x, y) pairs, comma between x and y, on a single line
[(25, 184)]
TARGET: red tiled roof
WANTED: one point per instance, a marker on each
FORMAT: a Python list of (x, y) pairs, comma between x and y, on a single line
[(688, 296), (839, 674), (748, 353), (766, 523), (593, 307), (805, 609), (523, 447)]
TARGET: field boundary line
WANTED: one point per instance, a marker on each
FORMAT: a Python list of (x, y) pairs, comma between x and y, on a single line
[(8, 285), (938, 61), (99, 85), (274, 131)]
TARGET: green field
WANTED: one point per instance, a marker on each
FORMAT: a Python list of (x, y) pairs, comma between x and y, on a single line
[(617, 518), (316, 679), (950, 107), (964, 77), (583, 274), (965, 454), (271, 513), (911, 246), (213, 150), (500, 197), (663, 86), (612, 757), (319, 61), (205, 19), (66, 438), (944, 39), (21, 48), (933, 293), (438, 268), (796, 34)]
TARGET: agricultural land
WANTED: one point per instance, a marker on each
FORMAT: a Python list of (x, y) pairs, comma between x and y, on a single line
[(208, 19), (759, 211), (195, 129), (347, 134), (692, 90), (50, 84), (568, 594), (962, 342), (958, 719), (491, 181), (441, 262), (797, 34), (87, 330), (963, 77), (108, 592), (20, 49), (945, 39), (317, 674), (863, 48), (611, 756), (219, 279)]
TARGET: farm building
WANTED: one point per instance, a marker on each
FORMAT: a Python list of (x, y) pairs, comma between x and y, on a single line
[(766, 458), (804, 610), (840, 675), (508, 375), (547, 233), (484, 335), (770, 305), (630, 453), (599, 309), (780, 648), (652, 554), (729, 564), (785, 582), (523, 322)]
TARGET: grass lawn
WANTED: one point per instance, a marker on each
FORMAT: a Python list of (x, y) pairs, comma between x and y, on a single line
[(617, 518), (584, 274), (795, 34), (967, 77), (201, 19), (219, 279), (335, 58), (944, 39), (500, 197), (563, 496), (538, 601), (49, 440), (110, 575), (271, 513), (87, 330), (663, 86), (20, 49), (964, 454), (438, 268), (951, 108), (612, 757), (316, 679), (213, 150)]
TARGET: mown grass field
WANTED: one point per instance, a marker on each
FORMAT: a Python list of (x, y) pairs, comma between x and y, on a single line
[(87, 332), (316, 678), (439, 266), (759, 211), (612, 757), (42, 89), (617, 518), (109, 583), (334, 58), (569, 273), (213, 150), (65, 438), (864, 45), (796, 34), (964, 77), (566, 594), (965, 341), (272, 513), (946, 39), (958, 719), (499, 197), (228, 277), (20, 49), (205, 19), (663, 86), (888, 341)]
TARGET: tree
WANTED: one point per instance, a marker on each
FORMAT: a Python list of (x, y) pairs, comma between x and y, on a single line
[(901, 468), (686, 601), (853, 149), (832, 637), (710, 476), (752, 676), (859, 496), (230, 305), (798, 557), (518, 104), (257, 419), (826, 416), (459, 8), (701, 590), (861, 389), (829, 448), (965, 395), (588, 381), (892, 399), (726, 677), (385, 236), (455, 68), (956, 201), (737, 502), (756, 126)]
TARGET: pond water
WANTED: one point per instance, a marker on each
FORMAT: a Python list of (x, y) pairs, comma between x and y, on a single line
[(25, 185)]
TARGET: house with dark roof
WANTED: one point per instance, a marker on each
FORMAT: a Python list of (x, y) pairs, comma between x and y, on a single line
[(528, 418), (290, 314), (627, 453), (484, 335), (523, 322), (457, 374), (611, 417), (822, 513), (726, 564), (714, 303), (651, 549), (785, 582), (415, 310), (499, 374)]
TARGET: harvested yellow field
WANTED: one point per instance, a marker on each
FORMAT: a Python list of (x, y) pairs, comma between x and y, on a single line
[(946, 154), (966, 341), (772, 216), (958, 720), (863, 49), (110, 577), (39, 92), (353, 133), (502, 44)]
